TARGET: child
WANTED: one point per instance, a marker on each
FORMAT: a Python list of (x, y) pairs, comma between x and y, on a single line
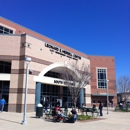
[(62, 114)]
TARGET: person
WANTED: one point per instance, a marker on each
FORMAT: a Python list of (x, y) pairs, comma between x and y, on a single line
[(100, 108), (73, 116), (46, 104), (58, 103), (79, 107), (94, 107), (62, 114), (2, 103), (112, 104), (84, 106), (66, 106)]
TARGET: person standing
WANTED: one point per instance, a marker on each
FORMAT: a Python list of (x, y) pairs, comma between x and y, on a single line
[(100, 108), (58, 103), (2, 103), (46, 104), (66, 105)]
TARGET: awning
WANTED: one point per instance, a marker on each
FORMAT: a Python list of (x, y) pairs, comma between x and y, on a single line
[(112, 95)]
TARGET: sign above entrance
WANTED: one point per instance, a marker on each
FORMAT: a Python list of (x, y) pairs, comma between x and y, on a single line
[(62, 52), (62, 82)]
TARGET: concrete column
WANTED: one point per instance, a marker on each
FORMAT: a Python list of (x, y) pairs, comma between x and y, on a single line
[(81, 97), (37, 94)]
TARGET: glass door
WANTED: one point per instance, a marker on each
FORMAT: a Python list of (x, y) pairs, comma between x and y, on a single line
[(54, 100), (70, 104)]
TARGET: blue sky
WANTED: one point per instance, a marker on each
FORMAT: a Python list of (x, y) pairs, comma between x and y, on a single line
[(94, 27)]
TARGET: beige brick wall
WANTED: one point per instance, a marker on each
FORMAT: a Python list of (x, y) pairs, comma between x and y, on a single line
[(9, 45)]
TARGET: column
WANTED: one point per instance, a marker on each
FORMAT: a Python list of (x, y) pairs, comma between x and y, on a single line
[(81, 96), (37, 94)]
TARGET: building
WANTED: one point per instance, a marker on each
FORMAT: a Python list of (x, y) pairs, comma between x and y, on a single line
[(48, 57), (123, 97)]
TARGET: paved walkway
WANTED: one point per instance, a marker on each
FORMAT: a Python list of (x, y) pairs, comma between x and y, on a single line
[(112, 121)]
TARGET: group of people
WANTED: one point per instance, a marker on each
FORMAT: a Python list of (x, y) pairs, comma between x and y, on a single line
[(73, 115), (2, 103), (73, 111), (100, 107)]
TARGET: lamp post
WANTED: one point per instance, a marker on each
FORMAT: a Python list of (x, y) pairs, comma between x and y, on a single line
[(27, 60), (107, 95)]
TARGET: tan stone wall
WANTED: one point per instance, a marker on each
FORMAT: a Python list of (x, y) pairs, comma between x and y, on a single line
[(22, 30), (10, 45)]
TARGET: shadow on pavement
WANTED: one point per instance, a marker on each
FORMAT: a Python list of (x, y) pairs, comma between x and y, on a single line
[(10, 121)]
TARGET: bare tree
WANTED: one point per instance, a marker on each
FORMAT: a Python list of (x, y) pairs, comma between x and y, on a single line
[(123, 87), (75, 78)]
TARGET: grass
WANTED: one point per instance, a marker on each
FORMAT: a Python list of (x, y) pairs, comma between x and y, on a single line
[(119, 110), (84, 117)]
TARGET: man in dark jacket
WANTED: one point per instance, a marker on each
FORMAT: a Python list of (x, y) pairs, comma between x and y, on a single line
[(66, 105), (100, 108), (46, 104)]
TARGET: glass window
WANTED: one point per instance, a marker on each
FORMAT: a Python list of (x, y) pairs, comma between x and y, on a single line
[(101, 78), (11, 31), (1, 68), (1, 31), (5, 67), (5, 30), (1, 28), (6, 33)]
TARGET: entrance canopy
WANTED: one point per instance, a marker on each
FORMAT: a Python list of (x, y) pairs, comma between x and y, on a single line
[(56, 67)]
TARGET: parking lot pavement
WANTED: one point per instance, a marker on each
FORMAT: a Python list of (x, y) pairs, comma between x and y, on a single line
[(111, 121)]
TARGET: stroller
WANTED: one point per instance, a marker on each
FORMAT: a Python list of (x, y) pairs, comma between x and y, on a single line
[(58, 115), (58, 118)]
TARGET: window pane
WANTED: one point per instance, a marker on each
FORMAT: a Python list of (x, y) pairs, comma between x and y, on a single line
[(2, 62), (102, 84), (6, 33), (1, 31), (104, 75), (8, 63), (11, 31), (101, 76), (7, 69), (6, 29), (1, 28), (1, 68)]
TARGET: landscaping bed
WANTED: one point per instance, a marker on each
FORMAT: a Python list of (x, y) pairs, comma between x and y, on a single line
[(84, 118)]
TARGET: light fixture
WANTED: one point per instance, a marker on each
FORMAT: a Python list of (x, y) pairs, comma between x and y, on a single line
[(107, 95), (27, 60)]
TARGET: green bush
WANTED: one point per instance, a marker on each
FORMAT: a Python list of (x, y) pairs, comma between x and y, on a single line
[(84, 117), (122, 109)]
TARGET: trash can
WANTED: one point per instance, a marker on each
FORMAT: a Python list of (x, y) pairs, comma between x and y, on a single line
[(39, 110)]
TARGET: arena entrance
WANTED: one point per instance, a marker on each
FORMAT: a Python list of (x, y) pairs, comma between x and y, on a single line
[(47, 88), (53, 92)]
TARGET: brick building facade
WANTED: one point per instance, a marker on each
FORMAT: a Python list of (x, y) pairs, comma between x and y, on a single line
[(48, 57)]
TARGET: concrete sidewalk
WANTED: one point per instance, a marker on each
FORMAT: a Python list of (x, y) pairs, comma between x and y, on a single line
[(111, 121)]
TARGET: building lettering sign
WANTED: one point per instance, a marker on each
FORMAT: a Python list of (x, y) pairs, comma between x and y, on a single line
[(62, 82), (62, 52)]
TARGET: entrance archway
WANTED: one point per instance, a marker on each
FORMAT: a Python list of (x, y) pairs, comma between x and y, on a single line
[(49, 81)]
